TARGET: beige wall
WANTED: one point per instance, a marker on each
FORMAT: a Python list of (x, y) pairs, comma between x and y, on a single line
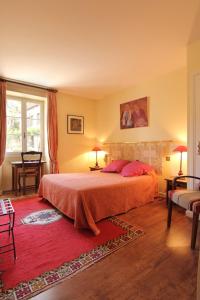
[(193, 57), (74, 149), (167, 115), (167, 120), (193, 63), (167, 111)]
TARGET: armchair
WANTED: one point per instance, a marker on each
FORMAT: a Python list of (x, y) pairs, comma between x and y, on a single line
[(187, 199)]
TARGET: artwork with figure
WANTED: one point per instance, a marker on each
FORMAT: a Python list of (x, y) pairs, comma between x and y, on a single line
[(75, 124), (134, 114)]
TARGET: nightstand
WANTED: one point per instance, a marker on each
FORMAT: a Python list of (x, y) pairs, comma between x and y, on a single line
[(182, 183), (95, 168)]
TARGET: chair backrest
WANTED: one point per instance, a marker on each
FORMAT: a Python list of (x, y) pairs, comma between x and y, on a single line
[(31, 159), (174, 181)]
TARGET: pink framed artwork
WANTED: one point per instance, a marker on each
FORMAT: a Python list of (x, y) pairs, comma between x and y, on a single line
[(134, 113)]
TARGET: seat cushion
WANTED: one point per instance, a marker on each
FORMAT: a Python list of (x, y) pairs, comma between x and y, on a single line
[(185, 198)]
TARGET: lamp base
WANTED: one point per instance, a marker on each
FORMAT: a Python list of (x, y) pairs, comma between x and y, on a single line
[(180, 173)]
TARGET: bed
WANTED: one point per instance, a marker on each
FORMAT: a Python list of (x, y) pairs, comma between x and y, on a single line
[(92, 196)]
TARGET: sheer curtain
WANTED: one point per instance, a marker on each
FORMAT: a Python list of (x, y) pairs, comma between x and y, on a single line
[(2, 120), (52, 131)]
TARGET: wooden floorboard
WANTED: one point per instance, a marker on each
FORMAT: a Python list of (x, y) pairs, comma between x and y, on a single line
[(158, 266)]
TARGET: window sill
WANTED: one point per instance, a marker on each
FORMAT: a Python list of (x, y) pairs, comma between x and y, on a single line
[(12, 154)]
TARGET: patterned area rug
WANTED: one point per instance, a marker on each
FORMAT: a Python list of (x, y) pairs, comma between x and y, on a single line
[(42, 217), (29, 288)]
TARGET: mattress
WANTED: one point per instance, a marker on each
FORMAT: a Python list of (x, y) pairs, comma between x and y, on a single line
[(90, 197)]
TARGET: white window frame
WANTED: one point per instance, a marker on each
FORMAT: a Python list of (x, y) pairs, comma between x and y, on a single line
[(23, 101)]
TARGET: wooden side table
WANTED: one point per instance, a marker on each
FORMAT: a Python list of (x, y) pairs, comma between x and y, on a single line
[(182, 183), (95, 168)]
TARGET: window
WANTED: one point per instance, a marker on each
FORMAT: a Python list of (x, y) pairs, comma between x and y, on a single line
[(25, 125)]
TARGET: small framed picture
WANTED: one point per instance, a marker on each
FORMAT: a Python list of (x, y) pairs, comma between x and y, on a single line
[(75, 124)]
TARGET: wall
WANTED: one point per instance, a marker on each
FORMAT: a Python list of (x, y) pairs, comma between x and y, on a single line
[(193, 57), (74, 150), (167, 111), (167, 121), (167, 114), (193, 63)]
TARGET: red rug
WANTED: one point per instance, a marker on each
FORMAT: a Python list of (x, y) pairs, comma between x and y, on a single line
[(48, 253)]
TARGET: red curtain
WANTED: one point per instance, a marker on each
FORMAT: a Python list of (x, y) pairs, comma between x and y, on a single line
[(2, 120), (52, 129)]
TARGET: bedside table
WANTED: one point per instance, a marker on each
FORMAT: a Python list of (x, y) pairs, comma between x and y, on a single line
[(179, 183), (95, 168)]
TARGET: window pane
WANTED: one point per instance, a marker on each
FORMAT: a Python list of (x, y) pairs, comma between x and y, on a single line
[(33, 126), (13, 108), (33, 143), (13, 143), (33, 110), (14, 126)]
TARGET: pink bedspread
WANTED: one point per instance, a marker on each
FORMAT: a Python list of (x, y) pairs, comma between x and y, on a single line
[(90, 197)]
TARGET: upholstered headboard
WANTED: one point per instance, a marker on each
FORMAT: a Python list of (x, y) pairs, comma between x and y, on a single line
[(150, 152)]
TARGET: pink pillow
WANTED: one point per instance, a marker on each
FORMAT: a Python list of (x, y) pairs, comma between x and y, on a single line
[(135, 168), (147, 168), (115, 166)]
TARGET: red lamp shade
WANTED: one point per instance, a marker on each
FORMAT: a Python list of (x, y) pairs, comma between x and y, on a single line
[(96, 149), (180, 149)]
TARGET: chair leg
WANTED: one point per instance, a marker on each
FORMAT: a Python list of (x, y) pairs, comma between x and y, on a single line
[(13, 241), (19, 184), (24, 185), (195, 222), (36, 184), (169, 218)]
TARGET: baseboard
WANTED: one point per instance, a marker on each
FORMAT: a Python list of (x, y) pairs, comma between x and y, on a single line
[(28, 187), (6, 192), (161, 194)]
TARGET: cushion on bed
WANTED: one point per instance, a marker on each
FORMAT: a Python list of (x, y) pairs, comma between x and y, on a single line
[(147, 168), (116, 166), (135, 168)]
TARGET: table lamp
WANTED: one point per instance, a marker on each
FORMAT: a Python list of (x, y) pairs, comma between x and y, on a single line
[(96, 149), (180, 149)]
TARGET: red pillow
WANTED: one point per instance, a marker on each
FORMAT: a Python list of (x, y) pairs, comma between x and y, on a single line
[(115, 166), (135, 168)]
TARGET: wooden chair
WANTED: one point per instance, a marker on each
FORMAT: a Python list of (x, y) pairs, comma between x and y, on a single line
[(31, 167), (187, 199)]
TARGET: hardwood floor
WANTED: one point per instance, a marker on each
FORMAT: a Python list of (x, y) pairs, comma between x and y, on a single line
[(158, 266)]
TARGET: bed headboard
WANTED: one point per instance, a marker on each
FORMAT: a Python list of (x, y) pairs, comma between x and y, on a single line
[(150, 152)]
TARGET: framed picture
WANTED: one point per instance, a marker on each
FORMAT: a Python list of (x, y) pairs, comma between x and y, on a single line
[(134, 114), (75, 124)]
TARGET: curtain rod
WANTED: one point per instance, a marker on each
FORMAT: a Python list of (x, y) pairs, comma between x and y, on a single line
[(28, 84)]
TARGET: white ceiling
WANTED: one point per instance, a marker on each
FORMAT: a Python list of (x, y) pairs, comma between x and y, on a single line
[(93, 48)]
